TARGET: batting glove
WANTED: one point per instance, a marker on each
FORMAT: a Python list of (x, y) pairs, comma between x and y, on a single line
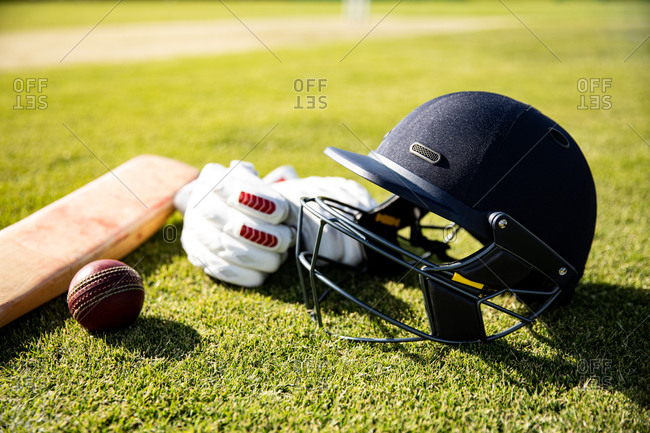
[(238, 227)]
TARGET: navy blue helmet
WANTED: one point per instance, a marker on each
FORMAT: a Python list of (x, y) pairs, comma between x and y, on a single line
[(496, 168)]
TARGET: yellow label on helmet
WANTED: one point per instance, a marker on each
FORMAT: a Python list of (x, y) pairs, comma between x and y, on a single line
[(460, 279), (387, 220)]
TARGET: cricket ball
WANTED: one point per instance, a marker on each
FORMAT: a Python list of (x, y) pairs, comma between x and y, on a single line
[(105, 294)]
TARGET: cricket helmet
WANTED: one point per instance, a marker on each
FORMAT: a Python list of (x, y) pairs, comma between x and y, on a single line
[(512, 179)]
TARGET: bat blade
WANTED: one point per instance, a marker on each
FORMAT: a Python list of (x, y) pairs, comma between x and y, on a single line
[(106, 218)]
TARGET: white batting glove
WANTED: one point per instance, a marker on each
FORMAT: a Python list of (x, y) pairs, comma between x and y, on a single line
[(238, 227), (334, 245)]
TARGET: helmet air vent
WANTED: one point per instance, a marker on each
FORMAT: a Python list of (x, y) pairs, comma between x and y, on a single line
[(559, 137), (425, 153)]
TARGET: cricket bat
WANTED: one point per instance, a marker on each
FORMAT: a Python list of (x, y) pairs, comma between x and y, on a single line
[(106, 218)]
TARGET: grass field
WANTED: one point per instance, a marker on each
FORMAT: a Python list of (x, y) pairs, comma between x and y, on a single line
[(204, 356)]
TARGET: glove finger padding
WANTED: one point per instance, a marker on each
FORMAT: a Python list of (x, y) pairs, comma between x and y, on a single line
[(231, 225), (238, 227), (241, 189), (226, 247), (228, 272), (231, 221), (334, 245)]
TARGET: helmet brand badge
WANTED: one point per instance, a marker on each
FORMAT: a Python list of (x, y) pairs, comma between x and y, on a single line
[(425, 153)]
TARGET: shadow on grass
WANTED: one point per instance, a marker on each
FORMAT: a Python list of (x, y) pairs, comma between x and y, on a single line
[(16, 337), (600, 340), (374, 290), (284, 285), (161, 249), (153, 337)]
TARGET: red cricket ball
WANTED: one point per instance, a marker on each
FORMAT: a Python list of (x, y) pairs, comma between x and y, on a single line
[(105, 294)]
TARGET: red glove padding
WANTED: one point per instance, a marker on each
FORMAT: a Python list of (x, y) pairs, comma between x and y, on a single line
[(238, 227)]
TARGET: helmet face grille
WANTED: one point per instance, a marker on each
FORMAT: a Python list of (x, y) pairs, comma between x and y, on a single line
[(425, 153), (474, 305)]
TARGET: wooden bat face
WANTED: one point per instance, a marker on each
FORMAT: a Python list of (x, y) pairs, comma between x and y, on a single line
[(106, 218)]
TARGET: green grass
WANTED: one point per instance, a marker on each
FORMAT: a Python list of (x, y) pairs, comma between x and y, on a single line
[(205, 356), (20, 15), (16, 16)]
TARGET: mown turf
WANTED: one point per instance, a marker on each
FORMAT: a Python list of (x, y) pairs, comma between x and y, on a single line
[(17, 16), (206, 356)]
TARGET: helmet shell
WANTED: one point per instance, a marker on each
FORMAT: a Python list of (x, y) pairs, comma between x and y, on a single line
[(467, 154)]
